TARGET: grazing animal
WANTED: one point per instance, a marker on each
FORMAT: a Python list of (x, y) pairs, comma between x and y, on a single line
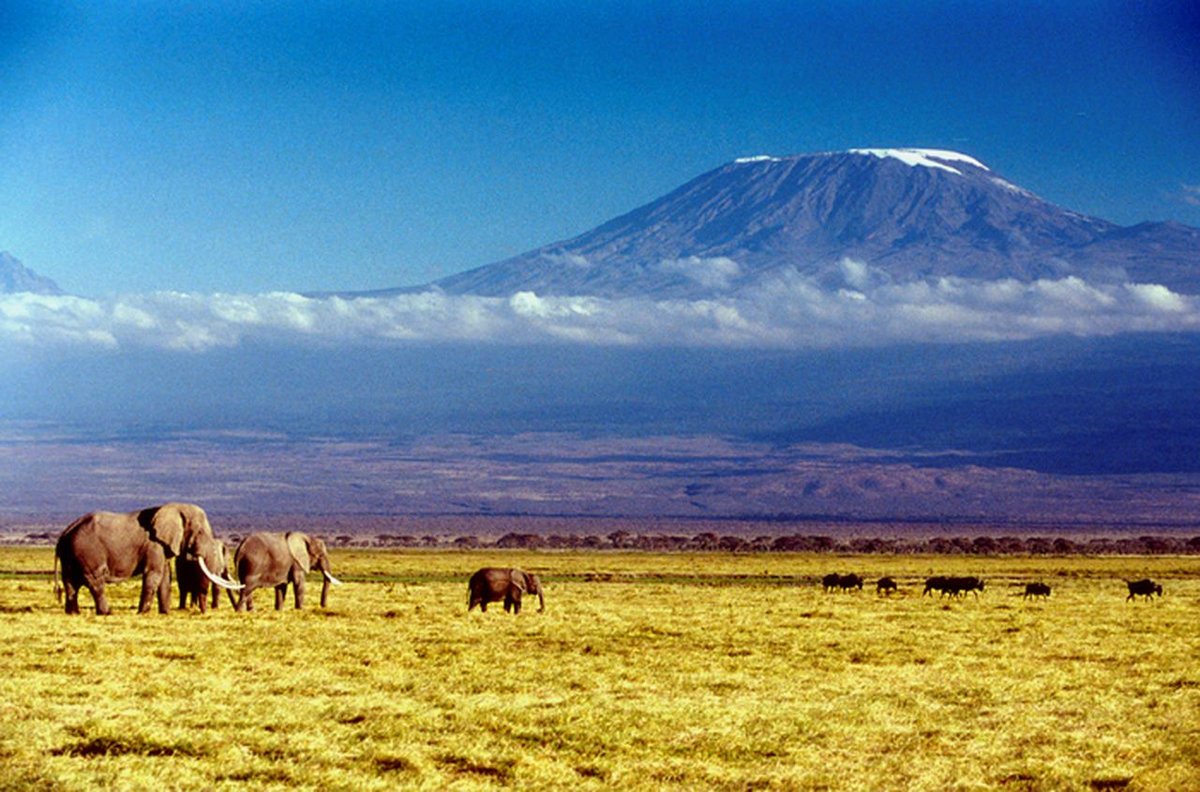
[(885, 585), (953, 586), (850, 581), (961, 585), (276, 559), (843, 582), (502, 584), (104, 547), (1037, 590), (1143, 588), (194, 585), (936, 583)]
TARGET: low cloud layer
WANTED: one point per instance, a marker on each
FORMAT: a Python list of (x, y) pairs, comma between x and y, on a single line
[(786, 311)]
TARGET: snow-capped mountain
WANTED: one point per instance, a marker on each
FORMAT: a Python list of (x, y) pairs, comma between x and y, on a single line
[(16, 277), (904, 213)]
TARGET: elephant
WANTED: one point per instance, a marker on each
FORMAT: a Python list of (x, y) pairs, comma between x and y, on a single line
[(276, 559), (106, 547), (194, 585), (495, 584)]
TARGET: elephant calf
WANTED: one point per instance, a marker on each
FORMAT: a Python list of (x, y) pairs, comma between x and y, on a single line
[(499, 584), (276, 559)]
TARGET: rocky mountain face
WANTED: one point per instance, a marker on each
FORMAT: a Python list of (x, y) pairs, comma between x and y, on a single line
[(16, 277), (905, 213)]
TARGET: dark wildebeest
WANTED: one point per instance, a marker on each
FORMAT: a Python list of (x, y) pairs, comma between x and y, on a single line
[(1143, 588), (953, 586), (1037, 590), (885, 585), (936, 583), (831, 581), (959, 586), (847, 582)]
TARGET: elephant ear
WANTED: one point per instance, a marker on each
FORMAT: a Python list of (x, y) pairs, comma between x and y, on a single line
[(166, 526), (517, 578), (298, 544)]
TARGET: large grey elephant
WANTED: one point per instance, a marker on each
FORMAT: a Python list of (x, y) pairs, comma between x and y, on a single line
[(106, 547), (194, 585), (503, 584), (276, 559)]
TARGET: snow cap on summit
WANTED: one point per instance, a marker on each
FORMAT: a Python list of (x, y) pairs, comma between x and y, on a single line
[(758, 158), (928, 158)]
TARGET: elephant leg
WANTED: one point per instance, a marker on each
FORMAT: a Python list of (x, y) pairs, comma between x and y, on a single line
[(94, 582), (164, 592), (70, 595), (150, 584), (245, 600), (100, 597), (280, 595), (298, 590)]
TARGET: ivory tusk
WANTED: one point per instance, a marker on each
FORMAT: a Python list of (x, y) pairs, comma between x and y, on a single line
[(331, 578), (222, 583)]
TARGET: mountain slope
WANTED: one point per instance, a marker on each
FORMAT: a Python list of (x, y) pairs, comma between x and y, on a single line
[(907, 213), (16, 277)]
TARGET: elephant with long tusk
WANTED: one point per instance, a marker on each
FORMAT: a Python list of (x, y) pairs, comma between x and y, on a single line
[(277, 559), (195, 576), (105, 547)]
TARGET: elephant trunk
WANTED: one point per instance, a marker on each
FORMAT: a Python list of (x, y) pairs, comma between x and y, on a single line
[(220, 582), (325, 586), (541, 600)]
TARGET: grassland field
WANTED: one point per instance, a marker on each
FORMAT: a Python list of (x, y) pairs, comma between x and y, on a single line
[(646, 671)]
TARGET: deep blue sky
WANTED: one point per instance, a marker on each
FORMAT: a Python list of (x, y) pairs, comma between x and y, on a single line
[(240, 146)]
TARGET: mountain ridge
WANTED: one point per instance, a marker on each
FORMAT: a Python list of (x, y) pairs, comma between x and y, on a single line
[(908, 214), (15, 277)]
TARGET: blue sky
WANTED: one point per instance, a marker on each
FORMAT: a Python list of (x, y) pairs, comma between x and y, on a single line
[(252, 147)]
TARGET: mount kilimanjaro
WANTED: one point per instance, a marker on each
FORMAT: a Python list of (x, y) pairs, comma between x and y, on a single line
[(907, 214)]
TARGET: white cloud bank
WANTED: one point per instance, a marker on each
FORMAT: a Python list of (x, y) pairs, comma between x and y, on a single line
[(786, 311)]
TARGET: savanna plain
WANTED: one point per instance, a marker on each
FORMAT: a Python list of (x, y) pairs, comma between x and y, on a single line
[(646, 671)]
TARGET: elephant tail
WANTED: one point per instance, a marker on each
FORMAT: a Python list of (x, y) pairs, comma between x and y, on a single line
[(58, 589)]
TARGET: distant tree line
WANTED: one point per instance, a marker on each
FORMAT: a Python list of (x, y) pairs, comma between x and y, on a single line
[(711, 541), (801, 543)]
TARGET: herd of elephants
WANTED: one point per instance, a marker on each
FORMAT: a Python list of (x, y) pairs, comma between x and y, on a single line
[(106, 547)]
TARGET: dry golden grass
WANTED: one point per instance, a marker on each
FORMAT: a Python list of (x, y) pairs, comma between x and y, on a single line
[(645, 671)]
